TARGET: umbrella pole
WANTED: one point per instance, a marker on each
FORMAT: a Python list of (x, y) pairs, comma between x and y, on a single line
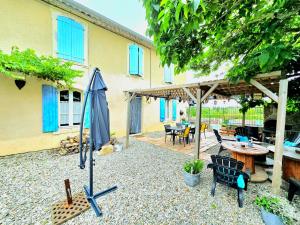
[(91, 197)]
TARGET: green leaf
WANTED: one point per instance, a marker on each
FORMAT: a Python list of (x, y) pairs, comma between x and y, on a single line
[(161, 14), (263, 59), (178, 10), (202, 5), (186, 11), (163, 2)]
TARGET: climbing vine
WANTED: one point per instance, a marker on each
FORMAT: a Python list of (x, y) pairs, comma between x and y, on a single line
[(248, 102), (19, 64), (251, 36)]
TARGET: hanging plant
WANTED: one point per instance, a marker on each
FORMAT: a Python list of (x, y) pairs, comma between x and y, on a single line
[(20, 63), (249, 102)]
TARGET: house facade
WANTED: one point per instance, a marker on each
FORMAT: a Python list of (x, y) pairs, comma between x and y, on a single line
[(40, 114)]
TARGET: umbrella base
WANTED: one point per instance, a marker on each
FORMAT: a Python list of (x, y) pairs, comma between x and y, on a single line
[(92, 198)]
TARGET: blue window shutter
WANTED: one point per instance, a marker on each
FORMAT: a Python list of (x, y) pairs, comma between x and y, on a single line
[(77, 42), (162, 109), (133, 60), (141, 61), (64, 32), (87, 112), (50, 108), (174, 109)]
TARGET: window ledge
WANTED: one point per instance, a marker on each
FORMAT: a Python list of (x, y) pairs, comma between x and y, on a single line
[(68, 129)]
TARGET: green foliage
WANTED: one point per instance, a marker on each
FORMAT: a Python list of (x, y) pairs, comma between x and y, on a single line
[(229, 113), (252, 36), (249, 102), (293, 105), (21, 63), (273, 205), (194, 167)]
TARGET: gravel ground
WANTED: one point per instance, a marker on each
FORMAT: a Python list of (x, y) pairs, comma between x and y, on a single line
[(150, 190)]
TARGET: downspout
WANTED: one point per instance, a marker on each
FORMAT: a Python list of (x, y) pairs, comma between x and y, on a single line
[(150, 68)]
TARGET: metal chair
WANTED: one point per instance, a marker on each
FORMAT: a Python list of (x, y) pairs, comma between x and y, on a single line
[(168, 131), (193, 132)]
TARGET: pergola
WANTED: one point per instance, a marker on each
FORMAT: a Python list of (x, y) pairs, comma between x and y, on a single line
[(273, 85)]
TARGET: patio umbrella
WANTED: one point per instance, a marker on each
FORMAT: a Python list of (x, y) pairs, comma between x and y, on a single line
[(99, 132)]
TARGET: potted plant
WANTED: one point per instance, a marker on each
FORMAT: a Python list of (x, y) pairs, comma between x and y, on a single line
[(191, 172), (272, 211)]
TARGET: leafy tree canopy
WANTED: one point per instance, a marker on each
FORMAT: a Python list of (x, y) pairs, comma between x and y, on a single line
[(254, 36), (20, 63)]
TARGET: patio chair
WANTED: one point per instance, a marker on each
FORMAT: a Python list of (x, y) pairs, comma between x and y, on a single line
[(203, 127), (229, 172), (193, 132), (185, 136), (294, 188), (220, 139), (168, 131)]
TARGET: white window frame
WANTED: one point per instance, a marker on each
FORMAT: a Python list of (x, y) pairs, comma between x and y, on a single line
[(55, 14), (70, 108), (167, 110)]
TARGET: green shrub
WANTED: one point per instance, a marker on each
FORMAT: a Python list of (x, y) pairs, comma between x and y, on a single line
[(273, 205), (194, 166)]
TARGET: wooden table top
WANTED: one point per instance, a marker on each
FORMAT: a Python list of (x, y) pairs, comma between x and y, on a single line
[(237, 147)]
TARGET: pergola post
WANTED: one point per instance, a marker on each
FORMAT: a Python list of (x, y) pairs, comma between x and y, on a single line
[(129, 98), (198, 124), (280, 131), (244, 119)]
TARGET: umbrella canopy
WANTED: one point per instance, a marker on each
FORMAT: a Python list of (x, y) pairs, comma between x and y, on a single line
[(100, 132)]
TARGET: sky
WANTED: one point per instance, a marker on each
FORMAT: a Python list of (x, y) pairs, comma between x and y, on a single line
[(129, 13)]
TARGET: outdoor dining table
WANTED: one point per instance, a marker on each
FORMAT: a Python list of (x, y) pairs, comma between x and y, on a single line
[(244, 153), (175, 130)]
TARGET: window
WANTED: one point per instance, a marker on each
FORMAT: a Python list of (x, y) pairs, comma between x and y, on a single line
[(70, 39), (64, 108), (168, 74), (76, 107), (70, 108), (136, 57)]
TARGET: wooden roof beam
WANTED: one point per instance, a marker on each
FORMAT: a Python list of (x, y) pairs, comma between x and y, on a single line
[(265, 90)]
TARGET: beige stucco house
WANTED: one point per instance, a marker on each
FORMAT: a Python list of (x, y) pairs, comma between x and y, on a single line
[(45, 26)]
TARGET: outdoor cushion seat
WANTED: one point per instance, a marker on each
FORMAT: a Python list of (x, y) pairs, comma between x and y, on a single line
[(228, 171)]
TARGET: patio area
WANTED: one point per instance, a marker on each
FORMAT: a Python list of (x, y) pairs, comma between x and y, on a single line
[(158, 139), (151, 190)]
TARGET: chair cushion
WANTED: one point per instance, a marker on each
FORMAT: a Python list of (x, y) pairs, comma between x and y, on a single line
[(241, 138), (241, 182), (289, 144)]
